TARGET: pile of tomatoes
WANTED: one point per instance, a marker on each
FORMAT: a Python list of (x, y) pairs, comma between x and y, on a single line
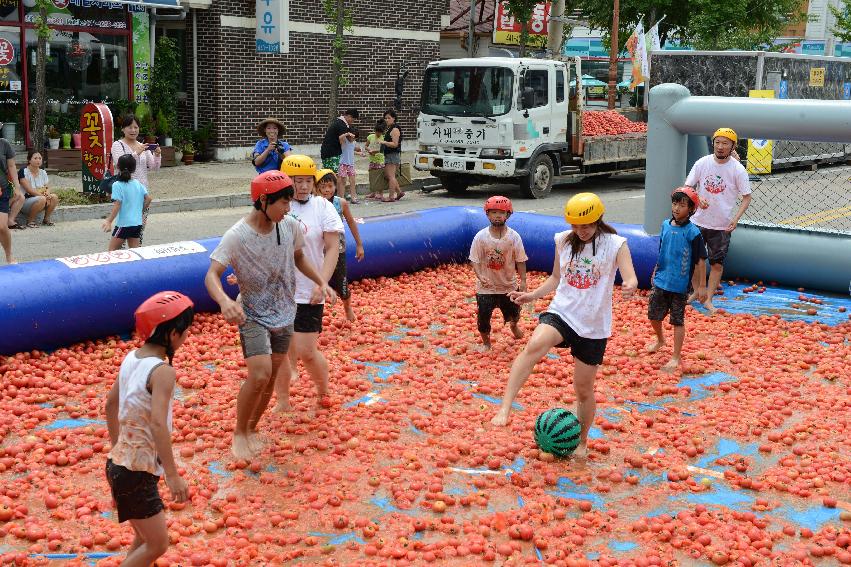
[(405, 468), (609, 123)]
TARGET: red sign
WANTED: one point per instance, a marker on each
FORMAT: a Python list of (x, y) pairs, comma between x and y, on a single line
[(506, 28), (7, 52), (96, 143)]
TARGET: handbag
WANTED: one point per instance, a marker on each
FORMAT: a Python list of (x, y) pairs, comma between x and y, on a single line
[(105, 185)]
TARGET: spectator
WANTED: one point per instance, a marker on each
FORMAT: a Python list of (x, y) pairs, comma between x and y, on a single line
[(449, 96), (391, 146), (270, 150), (146, 158), (332, 144), (11, 199), (35, 183)]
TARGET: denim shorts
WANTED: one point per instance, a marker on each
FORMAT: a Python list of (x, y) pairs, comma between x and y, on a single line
[(257, 340)]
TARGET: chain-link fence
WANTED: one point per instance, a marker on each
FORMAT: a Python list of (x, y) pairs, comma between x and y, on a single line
[(807, 186)]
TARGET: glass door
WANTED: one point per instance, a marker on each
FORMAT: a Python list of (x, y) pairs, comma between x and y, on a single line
[(11, 85)]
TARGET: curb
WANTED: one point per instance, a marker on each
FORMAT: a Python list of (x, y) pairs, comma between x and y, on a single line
[(186, 204)]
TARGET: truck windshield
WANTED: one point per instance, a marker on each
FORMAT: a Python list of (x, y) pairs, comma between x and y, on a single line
[(467, 91)]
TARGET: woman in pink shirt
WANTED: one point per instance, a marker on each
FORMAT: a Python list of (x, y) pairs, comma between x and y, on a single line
[(146, 159)]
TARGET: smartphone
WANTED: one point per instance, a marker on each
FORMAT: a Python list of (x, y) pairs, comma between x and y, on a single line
[(153, 147)]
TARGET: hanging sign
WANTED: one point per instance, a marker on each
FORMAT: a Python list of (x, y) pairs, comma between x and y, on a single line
[(95, 144), (506, 28), (817, 77), (273, 35), (760, 152)]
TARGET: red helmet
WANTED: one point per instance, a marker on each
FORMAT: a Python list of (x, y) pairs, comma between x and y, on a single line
[(269, 182), (688, 192), (159, 308), (499, 203)]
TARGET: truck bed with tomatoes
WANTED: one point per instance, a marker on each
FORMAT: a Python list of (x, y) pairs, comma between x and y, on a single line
[(610, 143)]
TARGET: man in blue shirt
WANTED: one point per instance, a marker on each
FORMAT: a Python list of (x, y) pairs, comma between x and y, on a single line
[(681, 251)]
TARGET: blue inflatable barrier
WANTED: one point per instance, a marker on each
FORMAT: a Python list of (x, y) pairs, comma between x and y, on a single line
[(95, 295)]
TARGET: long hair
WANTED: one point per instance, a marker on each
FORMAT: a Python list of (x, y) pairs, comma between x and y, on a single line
[(576, 243), (126, 167), (163, 330)]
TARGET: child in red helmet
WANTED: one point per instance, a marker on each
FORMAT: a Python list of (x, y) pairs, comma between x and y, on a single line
[(138, 416), (264, 248), (681, 252), (498, 257)]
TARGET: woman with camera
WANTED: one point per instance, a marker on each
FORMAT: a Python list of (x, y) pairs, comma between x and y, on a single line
[(271, 150)]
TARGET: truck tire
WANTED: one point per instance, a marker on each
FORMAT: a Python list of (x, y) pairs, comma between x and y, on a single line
[(454, 184), (538, 183)]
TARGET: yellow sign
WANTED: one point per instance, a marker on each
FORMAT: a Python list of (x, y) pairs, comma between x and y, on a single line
[(817, 77), (760, 152)]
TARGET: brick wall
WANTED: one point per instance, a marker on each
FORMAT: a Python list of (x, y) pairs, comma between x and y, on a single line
[(239, 87)]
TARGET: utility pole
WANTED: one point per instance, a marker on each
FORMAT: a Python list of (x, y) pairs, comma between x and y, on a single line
[(613, 56), (556, 28), (471, 44)]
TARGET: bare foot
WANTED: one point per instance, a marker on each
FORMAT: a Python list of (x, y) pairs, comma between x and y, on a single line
[(672, 365), (241, 448), (655, 347), (500, 419), (709, 307), (11, 261), (283, 406), (485, 347), (516, 331), (581, 451), (691, 298), (350, 314), (256, 442)]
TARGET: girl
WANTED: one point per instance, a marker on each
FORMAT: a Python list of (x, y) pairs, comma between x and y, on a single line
[(35, 184), (376, 162), (580, 314), (326, 183), (348, 175), (392, 149), (138, 416), (147, 156), (130, 199)]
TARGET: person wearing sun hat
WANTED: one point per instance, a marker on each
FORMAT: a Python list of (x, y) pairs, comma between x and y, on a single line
[(270, 150)]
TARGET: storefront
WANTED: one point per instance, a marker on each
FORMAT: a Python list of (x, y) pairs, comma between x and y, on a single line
[(97, 51)]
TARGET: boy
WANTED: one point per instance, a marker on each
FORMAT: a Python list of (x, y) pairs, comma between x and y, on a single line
[(498, 256), (264, 248), (681, 250)]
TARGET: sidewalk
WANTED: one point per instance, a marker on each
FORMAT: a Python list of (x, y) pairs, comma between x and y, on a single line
[(214, 179)]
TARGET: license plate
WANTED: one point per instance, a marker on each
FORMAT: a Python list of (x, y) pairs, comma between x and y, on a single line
[(454, 164)]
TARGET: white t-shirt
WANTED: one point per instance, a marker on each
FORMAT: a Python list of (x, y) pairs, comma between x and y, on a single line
[(720, 184), (265, 270), (36, 181), (315, 218), (584, 295), (498, 256)]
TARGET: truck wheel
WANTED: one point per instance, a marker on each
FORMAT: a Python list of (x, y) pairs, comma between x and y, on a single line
[(539, 181), (454, 184)]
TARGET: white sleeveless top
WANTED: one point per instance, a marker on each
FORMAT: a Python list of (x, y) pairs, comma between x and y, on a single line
[(135, 448), (584, 295)]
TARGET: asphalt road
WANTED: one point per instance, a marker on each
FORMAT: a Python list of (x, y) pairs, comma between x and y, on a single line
[(623, 196)]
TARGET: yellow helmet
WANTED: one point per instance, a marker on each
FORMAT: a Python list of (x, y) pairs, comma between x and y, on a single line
[(298, 165), (323, 172), (583, 208), (727, 133)]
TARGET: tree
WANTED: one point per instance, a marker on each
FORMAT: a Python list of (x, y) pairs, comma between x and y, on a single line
[(43, 34), (340, 21), (521, 10), (165, 75), (843, 21)]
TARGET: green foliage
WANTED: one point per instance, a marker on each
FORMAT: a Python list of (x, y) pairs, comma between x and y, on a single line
[(165, 76), (843, 21), (338, 44), (73, 197), (42, 8), (521, 10), (181, 135)]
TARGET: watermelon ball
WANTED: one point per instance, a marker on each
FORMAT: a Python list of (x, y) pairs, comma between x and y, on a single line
[(557, 432)]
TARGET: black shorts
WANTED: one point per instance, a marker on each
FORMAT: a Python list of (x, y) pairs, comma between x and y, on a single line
[(589, 351), (487, 302), (717, 244), (308, 318), (663, 302), (125, 232), (5, 197), (135, 493), (338, 281)]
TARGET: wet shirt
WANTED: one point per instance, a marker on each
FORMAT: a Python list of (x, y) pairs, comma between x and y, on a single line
[(498, 256), (721, 184)]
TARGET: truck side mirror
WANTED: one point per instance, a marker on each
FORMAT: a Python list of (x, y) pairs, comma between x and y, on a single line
[(528, 97)]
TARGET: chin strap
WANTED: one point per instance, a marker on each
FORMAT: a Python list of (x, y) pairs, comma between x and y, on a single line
[(277, 229)]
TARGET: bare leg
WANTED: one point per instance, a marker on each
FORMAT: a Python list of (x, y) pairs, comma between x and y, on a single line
[(486, 340), (134, 242), (516, 331), (115, 243), (660, 337), (16, 203), (36, 208), (350, 313), (259, 375), (282, 382), (305, 345), (341, 186), (715, 273), (679, 337), (353, 188), (137, 541), (586, 405), (154, 532), (392, 184), (52, 203), (6, 238), (543, 339), (279, 366)]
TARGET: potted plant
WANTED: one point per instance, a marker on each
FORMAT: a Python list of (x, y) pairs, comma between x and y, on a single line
[(188, 153), (162, 94), (164, 129), (202, 138), (53, 138), (67, 125), (181, 136)]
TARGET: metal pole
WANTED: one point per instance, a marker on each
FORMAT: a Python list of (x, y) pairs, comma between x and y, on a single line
[(471, 30), (194, 69), (613, 56)]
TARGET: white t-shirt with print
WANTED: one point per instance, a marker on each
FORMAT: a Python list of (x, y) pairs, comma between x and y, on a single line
[(584, 295), (721, 184), (315, 218), (498, 256)]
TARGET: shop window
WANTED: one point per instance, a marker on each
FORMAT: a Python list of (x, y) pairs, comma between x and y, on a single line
[(9, 11), (11, 103)]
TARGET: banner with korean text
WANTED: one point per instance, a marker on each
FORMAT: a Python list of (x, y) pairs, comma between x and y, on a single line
[(637, 49), (506, 28), (273, 33), (95, 144)]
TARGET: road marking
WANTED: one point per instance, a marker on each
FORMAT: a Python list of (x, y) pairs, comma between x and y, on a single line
[(817, 217)]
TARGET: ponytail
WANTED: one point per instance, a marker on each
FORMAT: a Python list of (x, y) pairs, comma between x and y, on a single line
[(126, 167)]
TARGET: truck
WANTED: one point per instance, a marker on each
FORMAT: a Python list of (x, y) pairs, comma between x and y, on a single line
[(506, 120)]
